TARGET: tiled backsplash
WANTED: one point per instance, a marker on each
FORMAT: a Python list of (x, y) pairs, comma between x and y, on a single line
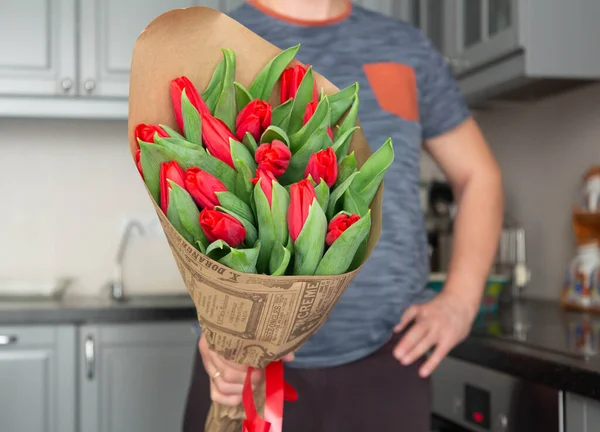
[(68, 185)]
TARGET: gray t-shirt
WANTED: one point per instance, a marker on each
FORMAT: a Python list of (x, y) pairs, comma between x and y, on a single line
[(407, 92)]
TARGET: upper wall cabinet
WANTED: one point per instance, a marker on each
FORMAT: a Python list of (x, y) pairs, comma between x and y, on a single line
[(37, 52)]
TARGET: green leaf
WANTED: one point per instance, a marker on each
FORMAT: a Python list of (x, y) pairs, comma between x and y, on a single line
[(251, 232), (234, 204), (240, 152), (173, 216), (319, 121), (354, 204), (180, 142), (263, 84), (370, 175), (242, 96), (188, 213), (243, 182), (274, 133), (360, 254), (213, 90), (341, 101), (171, 132), (322, 193), (303, 97), (346, 168), (242, 260), (279, 208), (342, 143), (281, 114), (336, 194), (309, 246), (339, 256), (319, 140), (225, 108), (192, 124), (151, 157), (217, 250), (350, 120), (198, 157), (280, 260), (266, 228), (250, 143)]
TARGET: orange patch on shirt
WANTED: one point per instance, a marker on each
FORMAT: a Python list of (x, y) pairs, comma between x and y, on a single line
[(395, 87)]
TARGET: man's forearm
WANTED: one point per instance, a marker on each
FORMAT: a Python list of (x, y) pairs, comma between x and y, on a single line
[(476, 233)]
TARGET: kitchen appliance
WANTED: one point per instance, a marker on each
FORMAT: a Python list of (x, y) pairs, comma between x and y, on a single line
[(439, 219), (468, 397)]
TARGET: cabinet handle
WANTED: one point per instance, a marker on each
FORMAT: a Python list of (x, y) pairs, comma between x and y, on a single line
[(90, 357), (66, 84), (89, 85), (8, 340)]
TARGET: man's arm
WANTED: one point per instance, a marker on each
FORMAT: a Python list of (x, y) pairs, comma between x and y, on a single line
[(471, 169)]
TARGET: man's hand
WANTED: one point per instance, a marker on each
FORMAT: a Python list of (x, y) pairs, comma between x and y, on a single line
[(227, 378), (441, 323)]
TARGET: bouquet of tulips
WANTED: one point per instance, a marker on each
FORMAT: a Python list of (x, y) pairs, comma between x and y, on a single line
[(264, 184), (261, 189)]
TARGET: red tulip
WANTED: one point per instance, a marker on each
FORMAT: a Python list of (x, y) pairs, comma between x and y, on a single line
[(302, 195), (290, 81), (177, 87), (216, 136), (338, 225), (221, 226), (323, 165), (254, 118), (202, 187), (145, 132), (138, 161), (169, 171), (273, 157), (311, 107), (266, 183)]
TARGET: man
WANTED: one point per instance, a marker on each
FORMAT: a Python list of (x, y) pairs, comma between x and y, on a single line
[(366, 369)]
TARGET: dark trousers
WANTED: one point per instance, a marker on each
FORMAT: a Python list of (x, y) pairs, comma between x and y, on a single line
[(373, 394)]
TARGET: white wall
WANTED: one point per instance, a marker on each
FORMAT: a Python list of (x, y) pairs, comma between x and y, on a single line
[(66, 187), (544, 148)]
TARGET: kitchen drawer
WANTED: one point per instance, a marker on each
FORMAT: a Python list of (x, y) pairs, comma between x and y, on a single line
[(23, 336)]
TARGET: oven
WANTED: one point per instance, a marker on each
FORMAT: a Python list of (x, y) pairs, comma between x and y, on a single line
[(468, 397)]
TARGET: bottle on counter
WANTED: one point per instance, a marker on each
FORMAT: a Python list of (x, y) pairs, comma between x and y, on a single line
[(581, 290)]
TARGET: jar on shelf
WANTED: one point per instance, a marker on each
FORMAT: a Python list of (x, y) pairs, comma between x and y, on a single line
[(581, 288)]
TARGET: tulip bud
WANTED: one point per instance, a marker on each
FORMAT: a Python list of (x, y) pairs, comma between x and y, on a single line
[(338, 225), (177, 87), (169, 171), (202, 187), (254, 118), (145, 132), (323, 165), (221, 226), (302, 195), (311, 107), (290, 81), (138, 161), (274, 157), (266, 183), (216, 136)]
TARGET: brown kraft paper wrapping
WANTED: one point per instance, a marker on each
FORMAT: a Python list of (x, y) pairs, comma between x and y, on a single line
[(248, 319)]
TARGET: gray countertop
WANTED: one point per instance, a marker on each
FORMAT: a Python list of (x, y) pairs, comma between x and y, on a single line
[(97, 309)]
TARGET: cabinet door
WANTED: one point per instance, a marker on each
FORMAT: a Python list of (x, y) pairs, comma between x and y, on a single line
[(109, 29), (37, 390), (486, 31), (37, 53), (135, 376), (582, 414)]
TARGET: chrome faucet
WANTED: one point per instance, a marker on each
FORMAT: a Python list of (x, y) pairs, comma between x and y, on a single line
[(116, 285)]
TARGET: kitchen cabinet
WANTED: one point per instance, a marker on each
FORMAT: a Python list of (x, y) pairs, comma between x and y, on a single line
[(134, 377), (37, 378), (37, 56), (581, 414), (484, 30)]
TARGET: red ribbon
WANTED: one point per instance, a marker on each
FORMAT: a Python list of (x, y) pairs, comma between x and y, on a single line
[(277, 390)]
